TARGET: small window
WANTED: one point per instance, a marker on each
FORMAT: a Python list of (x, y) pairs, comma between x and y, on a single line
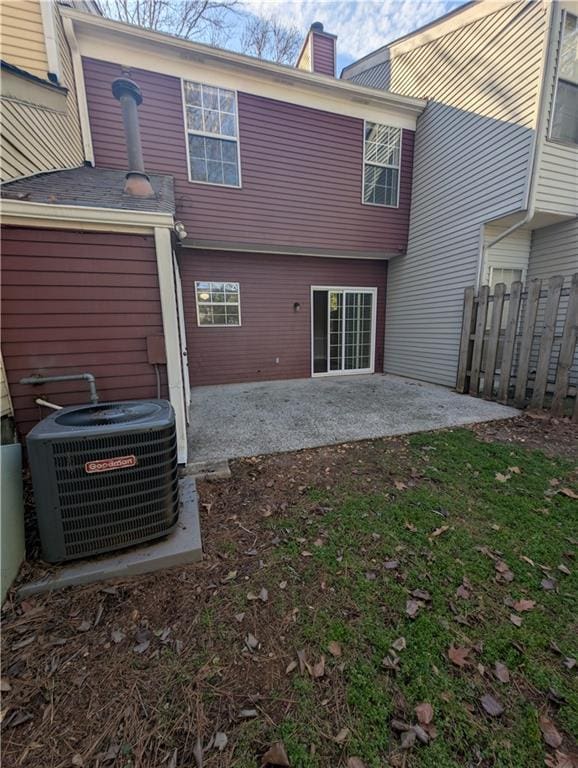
[(218, 303), (565, 115), (381, 161), (212, 134)]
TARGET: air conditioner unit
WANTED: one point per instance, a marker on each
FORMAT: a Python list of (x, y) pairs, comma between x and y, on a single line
[(105, 477)]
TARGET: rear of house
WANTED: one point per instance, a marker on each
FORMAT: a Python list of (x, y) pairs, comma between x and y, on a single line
[(495, 193)]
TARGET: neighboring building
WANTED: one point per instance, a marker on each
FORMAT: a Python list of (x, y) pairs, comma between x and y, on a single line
[(495, 191), (282, 192)]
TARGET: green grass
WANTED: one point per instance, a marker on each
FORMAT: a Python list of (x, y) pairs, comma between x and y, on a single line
[(360, 532)]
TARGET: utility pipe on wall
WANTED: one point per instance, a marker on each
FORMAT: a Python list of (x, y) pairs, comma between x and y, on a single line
[(71, 377)]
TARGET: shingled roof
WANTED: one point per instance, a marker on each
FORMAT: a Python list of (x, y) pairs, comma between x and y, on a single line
[(90, 188)]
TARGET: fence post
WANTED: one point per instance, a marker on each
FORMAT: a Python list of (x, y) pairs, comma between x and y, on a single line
[(492, 345), (465, 339), (509, 341), (479, 339), (526, 344), (550, 314), (567, 348)]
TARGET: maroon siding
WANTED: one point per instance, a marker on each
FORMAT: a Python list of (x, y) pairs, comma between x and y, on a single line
[(323, 54), (74, 302), (270, 285), (301, 169)]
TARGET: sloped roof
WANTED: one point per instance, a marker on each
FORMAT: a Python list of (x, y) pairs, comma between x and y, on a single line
[(90, 188)]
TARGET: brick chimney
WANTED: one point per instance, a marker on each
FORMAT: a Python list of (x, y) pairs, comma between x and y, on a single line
[(129, 94), (318, 52)]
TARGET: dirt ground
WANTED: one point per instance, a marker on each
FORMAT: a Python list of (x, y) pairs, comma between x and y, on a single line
[(147, 672)]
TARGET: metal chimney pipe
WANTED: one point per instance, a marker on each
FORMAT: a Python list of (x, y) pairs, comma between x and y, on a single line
[(129, 94)]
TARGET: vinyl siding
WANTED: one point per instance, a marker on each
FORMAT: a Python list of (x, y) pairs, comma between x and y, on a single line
[(75, 302), (301, 170), (5, 402), (271, 328), (555, 252), (323, 54), (471, 164), (512, 252), (22, 36), (38, 139), (557, 181)]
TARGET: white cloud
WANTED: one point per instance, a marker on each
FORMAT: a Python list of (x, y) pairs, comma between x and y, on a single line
[(360, 25)]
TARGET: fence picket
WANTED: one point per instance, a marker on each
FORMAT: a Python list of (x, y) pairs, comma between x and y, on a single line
[(465, 338), (567, 349), (492, 344), (526, 343), (509, 341), (546, 341), (481, 318)]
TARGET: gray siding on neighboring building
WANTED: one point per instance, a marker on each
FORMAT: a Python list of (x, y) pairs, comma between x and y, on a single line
[(554, 251), (472, 161)]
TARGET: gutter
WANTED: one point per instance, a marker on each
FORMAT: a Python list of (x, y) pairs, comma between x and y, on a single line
[(548, 67)]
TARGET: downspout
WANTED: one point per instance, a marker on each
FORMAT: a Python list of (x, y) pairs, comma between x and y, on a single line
[(546, 92)]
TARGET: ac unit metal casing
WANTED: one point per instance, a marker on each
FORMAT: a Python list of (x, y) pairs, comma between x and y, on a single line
[(105, 477)]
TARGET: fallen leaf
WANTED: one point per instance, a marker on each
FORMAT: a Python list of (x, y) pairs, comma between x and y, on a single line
[(569, 493), (399, 485), (290, 667), (355, 762), (421, 594), (502, 478), (303, 663), (491, 705), (84, 626), (439, 531), (524, 605), (282, 585), (220, 741), (516, 620), (515, 470), (463, 592), (548, 584), (560, 760), (412, 607), (569, 663), (229, 577), (420, 733), (501, 672), (410, 526), (239, 617), (391, 565), (251, 642), (17, 718), (563, 569), (263, 595), (342, 736), (305, 553), (319, 668), (334, 649), (399, 644), (408, 739), (275, 755), (245, 714), (458, 655), (141, 647), (549, 732), (424, 713)]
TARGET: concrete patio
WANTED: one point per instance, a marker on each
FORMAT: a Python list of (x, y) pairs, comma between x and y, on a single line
[(235, 420)]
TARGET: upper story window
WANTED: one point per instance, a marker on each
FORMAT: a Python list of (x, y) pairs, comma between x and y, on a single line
[(212, 134), (381, 160), (565, 115)]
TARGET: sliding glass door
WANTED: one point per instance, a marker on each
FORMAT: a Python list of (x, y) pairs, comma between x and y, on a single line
[(343, 330)]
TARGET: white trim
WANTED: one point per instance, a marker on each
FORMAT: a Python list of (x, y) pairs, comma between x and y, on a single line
[(47, 11), (352, 289), (131, 46), (182, 334), (80, 88), (68, 215), (236, 139), (218, 304), (274, 250), (381, 165), (561, 24), (164, 252)]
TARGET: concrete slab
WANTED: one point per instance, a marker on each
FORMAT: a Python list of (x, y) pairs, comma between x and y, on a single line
[(235, 420), (208, 470), (181, 547)]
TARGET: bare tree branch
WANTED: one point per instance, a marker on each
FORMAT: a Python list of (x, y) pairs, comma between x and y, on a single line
[(267, 38)]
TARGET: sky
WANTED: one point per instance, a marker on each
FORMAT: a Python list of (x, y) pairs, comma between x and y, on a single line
[(361, 26)]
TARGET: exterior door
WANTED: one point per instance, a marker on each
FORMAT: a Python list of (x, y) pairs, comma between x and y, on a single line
[(343, 330)]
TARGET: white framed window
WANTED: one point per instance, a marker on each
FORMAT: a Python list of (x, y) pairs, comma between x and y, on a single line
[(218, 304), (381, 164), (212, 134), (564, 123)]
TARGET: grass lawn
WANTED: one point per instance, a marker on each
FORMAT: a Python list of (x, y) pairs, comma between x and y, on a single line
[(339, 539)]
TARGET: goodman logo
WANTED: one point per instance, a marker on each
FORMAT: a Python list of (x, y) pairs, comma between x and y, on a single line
[(105, 465)]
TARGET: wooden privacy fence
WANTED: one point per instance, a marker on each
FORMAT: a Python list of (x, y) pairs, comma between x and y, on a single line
[(520, 347)]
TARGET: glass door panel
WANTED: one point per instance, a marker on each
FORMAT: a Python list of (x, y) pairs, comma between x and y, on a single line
[(342, 330)]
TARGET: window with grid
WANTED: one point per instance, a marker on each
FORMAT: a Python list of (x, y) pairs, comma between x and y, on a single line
[(212, 134), (381, 160), (565, 116), (218, 303)]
